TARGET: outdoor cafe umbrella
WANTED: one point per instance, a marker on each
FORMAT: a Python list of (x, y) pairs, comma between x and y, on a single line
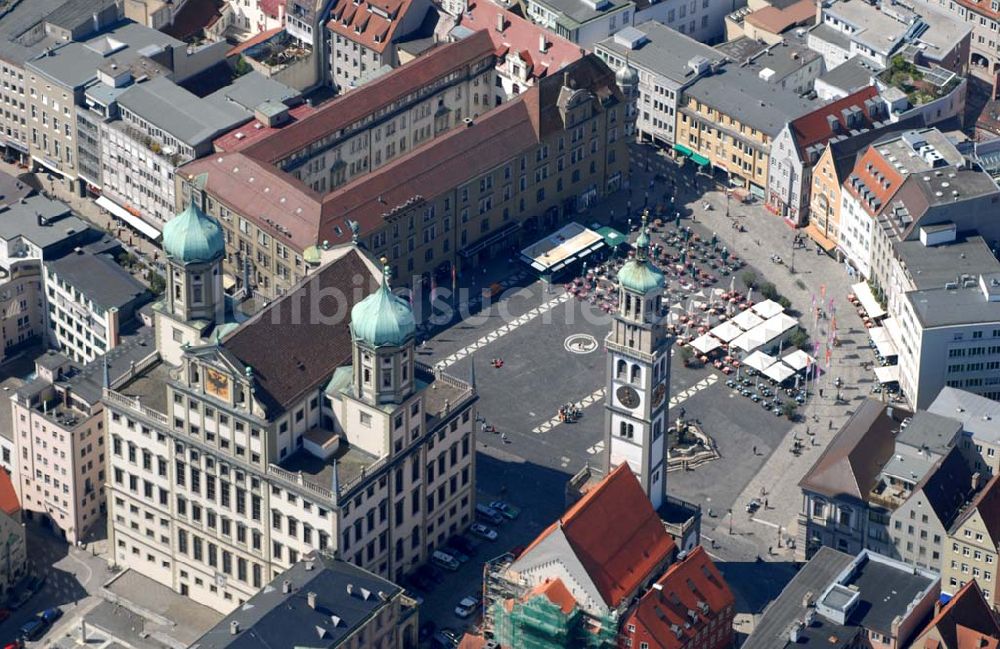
[(715, 239), (677, 220), (725, 254)]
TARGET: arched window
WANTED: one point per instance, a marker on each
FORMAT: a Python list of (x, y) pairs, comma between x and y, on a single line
[(368, 376), (635, 374), (631, 431), (622, 368), (622, 429), (628, 304)]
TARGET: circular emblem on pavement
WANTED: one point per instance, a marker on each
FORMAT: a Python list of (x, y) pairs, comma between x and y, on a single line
[(580, 344)]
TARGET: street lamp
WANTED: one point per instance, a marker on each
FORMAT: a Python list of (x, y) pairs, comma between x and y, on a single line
[(730, 521)]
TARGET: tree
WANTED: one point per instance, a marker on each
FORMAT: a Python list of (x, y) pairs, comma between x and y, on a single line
[(686, 354), (769, 291), (156, 283), (798, 338), (749, 279), (789, 409), (242, 67), (784, 302)]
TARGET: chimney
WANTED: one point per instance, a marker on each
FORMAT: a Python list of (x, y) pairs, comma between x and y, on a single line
[(350, 589), (566, 82), (542, 45), (937, 606), (311, 599), (309, 565), (976, 480), (96, 21), (286, 587), (234, 627), (500, 24)]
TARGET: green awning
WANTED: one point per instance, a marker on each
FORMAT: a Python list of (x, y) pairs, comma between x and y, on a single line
[(612, 237), (683, 150), (699, 159)]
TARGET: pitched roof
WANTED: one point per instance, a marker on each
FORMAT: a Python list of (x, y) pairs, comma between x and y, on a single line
[(615, 534), (369, 98), (814, 128), (972, 639), (987, 503), (850, 464), (8, 497), (370, 23), (683, 588), (948, 486), (556, 592), (874, 181), (845, 152), (967, 608), (292, 345), (776, 20), (271, 7), (521, 36)]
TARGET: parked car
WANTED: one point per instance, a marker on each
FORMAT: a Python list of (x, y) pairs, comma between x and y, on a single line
[(488, 514), (14, 644), (456, 552), (484, 532), (465, 544), (444, 560), (467, 606), (33, 629), (50, 615), (506, 509), (445, 639)]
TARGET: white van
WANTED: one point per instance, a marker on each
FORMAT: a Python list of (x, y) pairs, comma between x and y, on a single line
[(444, 560)]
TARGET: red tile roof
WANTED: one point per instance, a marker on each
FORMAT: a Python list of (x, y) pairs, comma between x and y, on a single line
[(682, 588), (814, 128), (369, 98), (8, 497), (967, 608), (246, 134), (521, 36), (369, 23), (615, 534), (882, 179), (253, 40), (972, 639), (776, 21), (272, 7), (557, 593)]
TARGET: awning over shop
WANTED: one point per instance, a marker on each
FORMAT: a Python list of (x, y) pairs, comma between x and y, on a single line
[(887, 374), (133, 220), (570, 243), (779, 372), (228, 281), (759, 361), (767, 309), (798, 360), (699, 159), (706, 343), (868, 301), (490, 239), (825, 242), (683, 150), (885, 346), (747, 320), (612, 238)]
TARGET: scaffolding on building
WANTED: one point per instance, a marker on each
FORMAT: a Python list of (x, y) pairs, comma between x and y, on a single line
[(515, 619)]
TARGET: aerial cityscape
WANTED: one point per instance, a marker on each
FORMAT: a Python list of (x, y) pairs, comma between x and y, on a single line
[(499, 324)]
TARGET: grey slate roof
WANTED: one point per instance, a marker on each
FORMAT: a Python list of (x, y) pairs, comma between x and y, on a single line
[(98, 278), (929, 431), (185, 116), (742, 48), (853, 74), (75, 64), (579, 11), (76, 12), (741, 94), (23, 219), (772, 629), (948, 487), (14, 46), (666, 53), (886, 592), (932, 267), (87, 382), (12, 190), (272, 619), (941, 307), (979, 416), (251, 90)]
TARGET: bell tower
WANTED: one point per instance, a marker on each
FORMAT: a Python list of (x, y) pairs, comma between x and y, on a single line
[(638, 374)]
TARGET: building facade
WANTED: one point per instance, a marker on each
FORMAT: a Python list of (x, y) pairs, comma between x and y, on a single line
[(13, 542), (244, 472), (22, 305), (972, 549)]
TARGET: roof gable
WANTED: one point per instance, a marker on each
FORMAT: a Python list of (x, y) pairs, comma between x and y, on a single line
[(815, 127), (985, 507), (8, 497), (968, 608)]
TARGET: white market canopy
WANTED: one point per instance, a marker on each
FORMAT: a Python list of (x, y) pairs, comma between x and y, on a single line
[(750, 340), (884, 345), (133, 220), (759, 361), (779, 372), (726, 332), (798, 360), (887, 374), (746, 320), (767, 309), (778, 325), (706, 343), (868, 301), (561, 248)]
